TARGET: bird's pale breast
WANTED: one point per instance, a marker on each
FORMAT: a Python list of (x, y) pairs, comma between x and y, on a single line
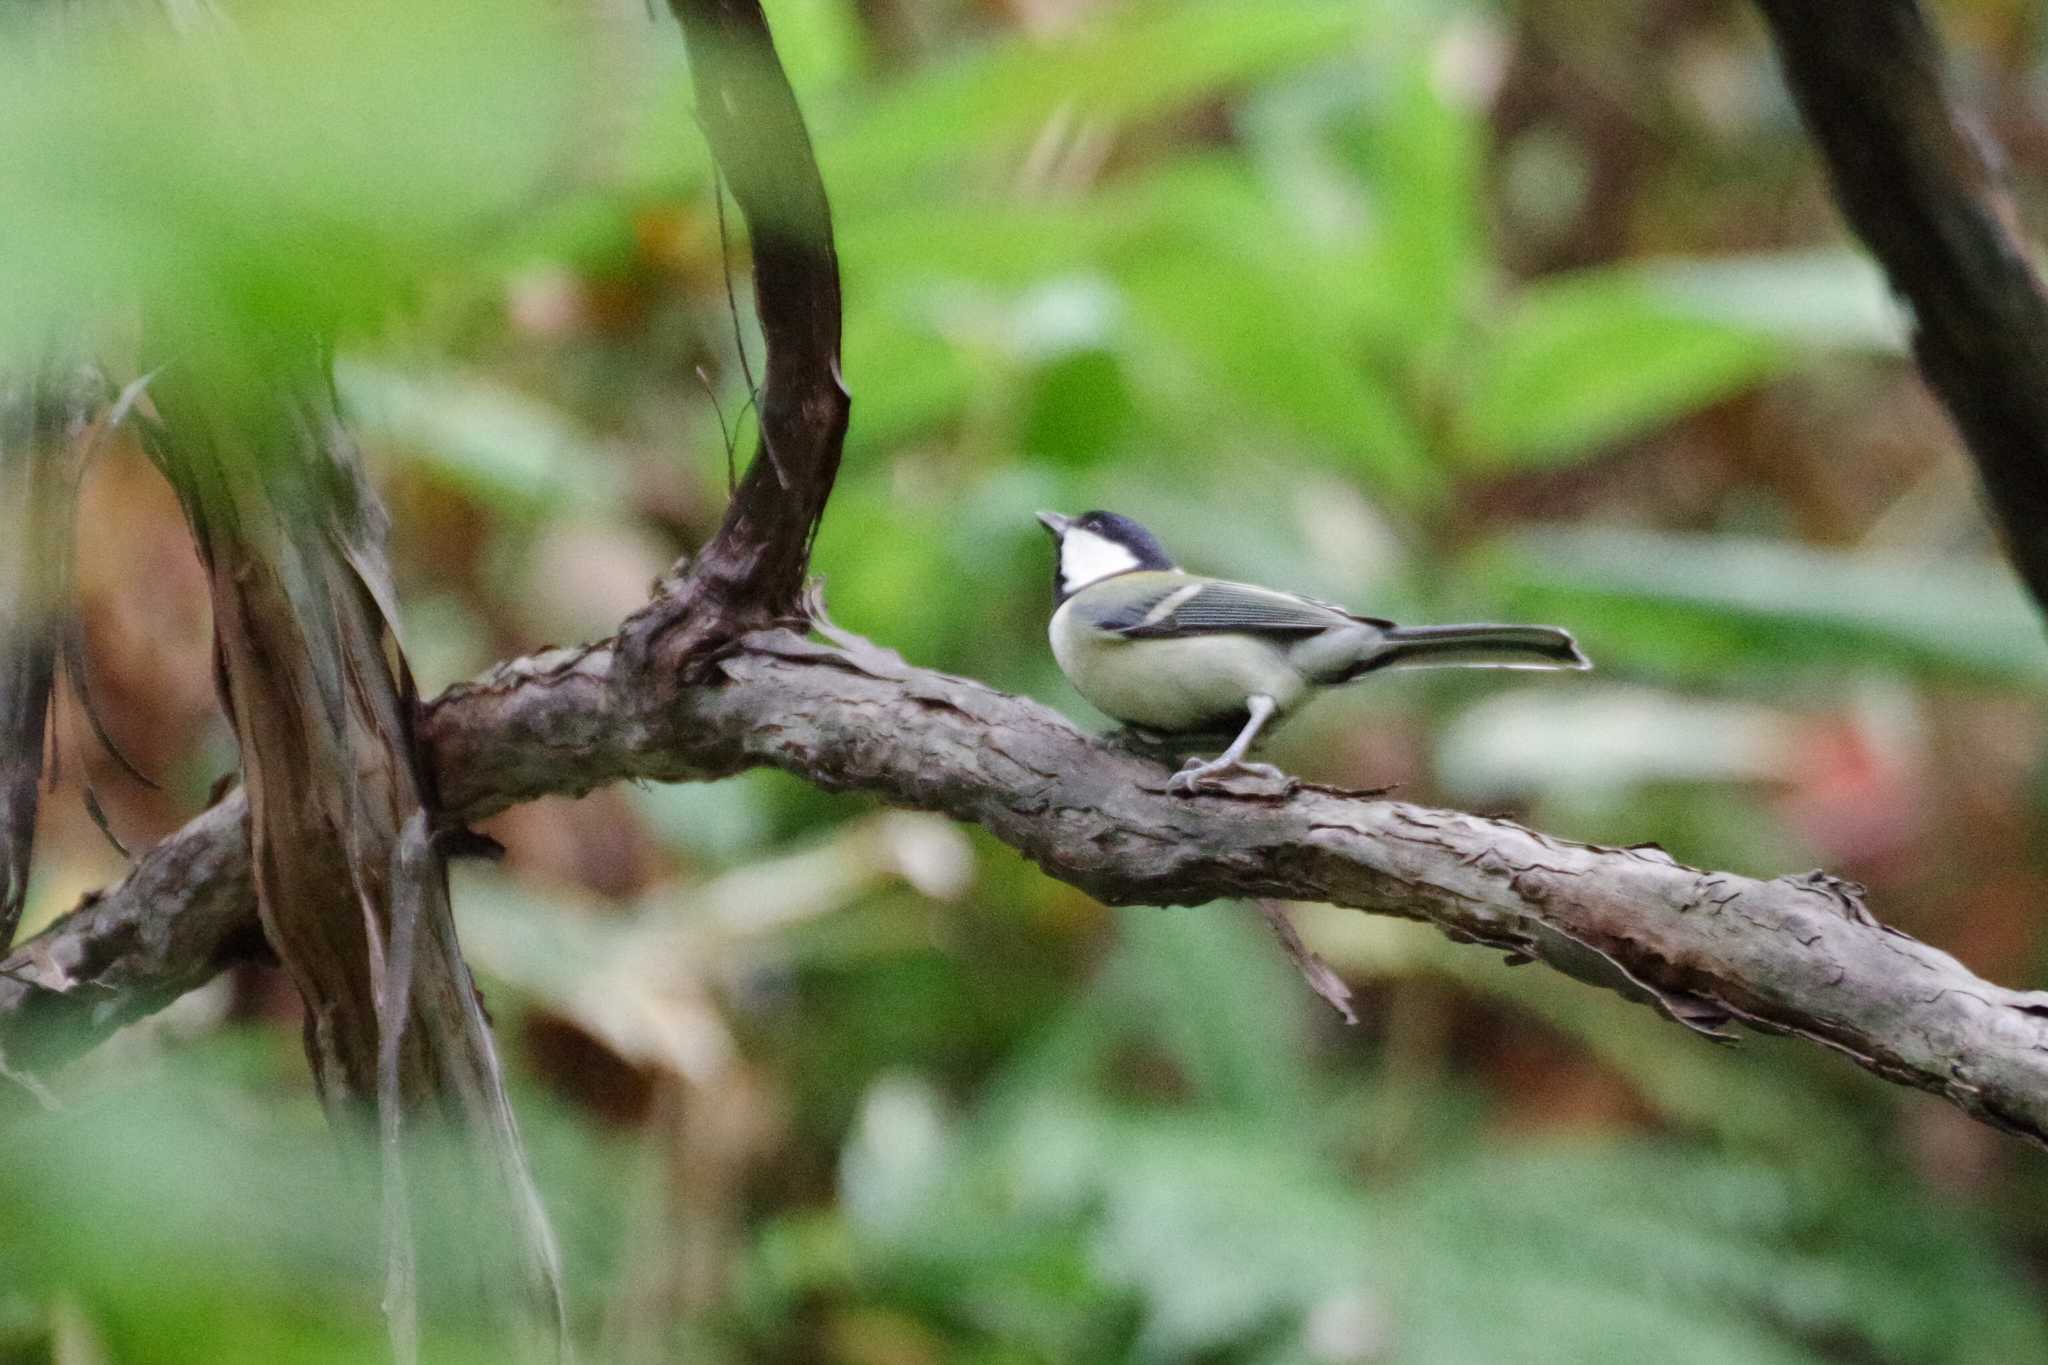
[(1170, 684)]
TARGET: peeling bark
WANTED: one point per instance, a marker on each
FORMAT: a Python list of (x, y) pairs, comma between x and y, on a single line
[(1799, 955), (337, 795), (42, 412)]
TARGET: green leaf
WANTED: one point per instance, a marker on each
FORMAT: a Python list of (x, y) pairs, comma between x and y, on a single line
[(1759, 1096), (1833, 297), (482, 436), (1226, 320), (1589, 359), (1245, 327), (819, 42), (1242, 1051), (1122, 63), (1728, 607), (1635, 1252), (1079, 407), (1218, 1247), (246, 181), (1420, 157)]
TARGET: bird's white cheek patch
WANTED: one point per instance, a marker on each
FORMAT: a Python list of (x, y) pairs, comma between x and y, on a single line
[(1085, 557)]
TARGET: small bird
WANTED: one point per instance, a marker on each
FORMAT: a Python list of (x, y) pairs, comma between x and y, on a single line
[(1180, 655)]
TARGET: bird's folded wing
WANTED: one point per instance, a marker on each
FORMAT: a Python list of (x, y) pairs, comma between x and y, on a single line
[(1208, 607)]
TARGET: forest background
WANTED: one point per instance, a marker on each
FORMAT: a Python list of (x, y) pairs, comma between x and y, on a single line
[(1442, 310)]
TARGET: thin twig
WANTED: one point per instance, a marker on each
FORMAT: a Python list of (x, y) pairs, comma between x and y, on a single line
[(410, 860), (1321, 977), (732, 477), (739, 340)]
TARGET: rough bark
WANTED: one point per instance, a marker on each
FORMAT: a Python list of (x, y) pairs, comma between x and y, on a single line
[(1798, 955), (1921, 183), (337, 793)]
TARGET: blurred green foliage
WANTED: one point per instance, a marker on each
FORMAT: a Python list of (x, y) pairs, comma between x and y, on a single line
[(1279, 279)]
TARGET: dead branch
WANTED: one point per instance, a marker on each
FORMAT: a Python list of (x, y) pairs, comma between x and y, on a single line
[(1798, 955)]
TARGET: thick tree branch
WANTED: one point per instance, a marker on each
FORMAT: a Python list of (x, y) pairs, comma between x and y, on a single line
[(689, 692), (1919, 181), (350, 887), (1797, 955), (752, 572)]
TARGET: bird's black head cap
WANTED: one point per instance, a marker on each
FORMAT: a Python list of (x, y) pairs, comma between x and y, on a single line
[(1073, 571), (1142, 544)]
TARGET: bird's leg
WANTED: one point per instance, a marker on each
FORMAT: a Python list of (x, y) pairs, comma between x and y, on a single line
[(1196, 774)]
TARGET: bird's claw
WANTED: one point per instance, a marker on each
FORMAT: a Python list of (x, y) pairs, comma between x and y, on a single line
[(1197, 774)]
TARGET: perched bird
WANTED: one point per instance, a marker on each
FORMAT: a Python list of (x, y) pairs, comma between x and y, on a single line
[(1181, 655)]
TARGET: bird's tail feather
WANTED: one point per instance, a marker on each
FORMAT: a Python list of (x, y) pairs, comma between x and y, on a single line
[(1474, 647)]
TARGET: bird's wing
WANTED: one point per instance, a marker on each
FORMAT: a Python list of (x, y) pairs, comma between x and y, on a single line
[(1208, 607)]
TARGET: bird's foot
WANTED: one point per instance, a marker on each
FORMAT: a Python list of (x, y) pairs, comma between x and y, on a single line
[(1196, 774)]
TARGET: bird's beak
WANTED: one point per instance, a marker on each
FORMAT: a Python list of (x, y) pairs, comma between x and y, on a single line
[(1054, 522)]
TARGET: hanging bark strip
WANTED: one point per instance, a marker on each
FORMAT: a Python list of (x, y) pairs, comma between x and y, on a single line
[(43, 409), (338, 795), (28, 628)]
